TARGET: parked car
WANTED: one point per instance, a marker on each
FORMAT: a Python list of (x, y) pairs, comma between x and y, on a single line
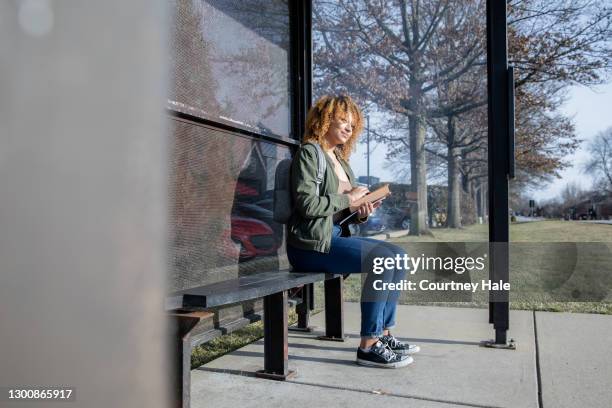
[(374, 225), (256, 211), (254, 237), (395, 218), (267, 203)]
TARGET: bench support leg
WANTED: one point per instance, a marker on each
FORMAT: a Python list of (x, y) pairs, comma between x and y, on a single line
[(311, 296), (276, 346), (334, 324), (180, 341), (303, 309)]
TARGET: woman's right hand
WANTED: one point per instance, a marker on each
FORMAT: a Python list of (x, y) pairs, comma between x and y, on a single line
[(356, 193)]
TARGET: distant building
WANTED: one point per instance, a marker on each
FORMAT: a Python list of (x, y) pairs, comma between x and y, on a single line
[(364, 180)]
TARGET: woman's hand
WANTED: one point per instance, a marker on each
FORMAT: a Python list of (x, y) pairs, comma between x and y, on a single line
[(367, 208), (356, 193)]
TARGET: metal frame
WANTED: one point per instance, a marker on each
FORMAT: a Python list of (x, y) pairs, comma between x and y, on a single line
[(334, 310), (181, 325), (301, 62), (303, 309), (499, 141), (234, 131), (300, 23), (276, 346)]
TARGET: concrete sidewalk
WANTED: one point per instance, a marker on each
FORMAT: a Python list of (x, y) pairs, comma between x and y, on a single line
[(572, 366)]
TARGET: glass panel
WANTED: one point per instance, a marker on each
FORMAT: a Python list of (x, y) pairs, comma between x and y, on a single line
[(230, 63), (418, 71), (220, 190), (561, 198), (419, 74)]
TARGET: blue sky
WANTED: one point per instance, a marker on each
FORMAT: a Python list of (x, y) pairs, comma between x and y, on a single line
[(592, 113)]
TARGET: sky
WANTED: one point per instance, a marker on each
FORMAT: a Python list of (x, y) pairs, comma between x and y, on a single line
[(591, 110), (592, 113)]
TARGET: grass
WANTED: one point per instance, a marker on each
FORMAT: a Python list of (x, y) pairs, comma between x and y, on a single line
[(560, 231), (554, 266), (537, 231), (551, 264), (221, 345), (537, 301)]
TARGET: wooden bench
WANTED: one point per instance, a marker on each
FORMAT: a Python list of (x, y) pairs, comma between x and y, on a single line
[(188, 307)]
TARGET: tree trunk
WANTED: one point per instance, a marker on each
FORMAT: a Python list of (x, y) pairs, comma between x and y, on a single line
[(479, 204), (483, 201), (418, 166), (473, 196), (454, 178), (454, 189)]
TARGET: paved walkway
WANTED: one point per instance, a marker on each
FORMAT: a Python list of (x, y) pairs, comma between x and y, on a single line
[(598, 221), (571, 365)]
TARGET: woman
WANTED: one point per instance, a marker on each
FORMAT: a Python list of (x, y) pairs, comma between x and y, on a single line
[(315, 241)]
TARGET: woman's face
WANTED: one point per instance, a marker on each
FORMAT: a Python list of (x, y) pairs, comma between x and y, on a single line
[(340, 130)]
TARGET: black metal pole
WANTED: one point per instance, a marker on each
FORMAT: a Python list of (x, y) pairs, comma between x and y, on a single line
[(276, 346), (368, 144), (181, 325), (303, 309), (499, 166), (301, 63), (334, 303)]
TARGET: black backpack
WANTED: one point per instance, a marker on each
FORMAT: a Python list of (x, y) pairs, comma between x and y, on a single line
[(283, 201)]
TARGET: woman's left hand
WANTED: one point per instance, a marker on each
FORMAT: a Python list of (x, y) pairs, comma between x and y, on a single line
[(366, 209)]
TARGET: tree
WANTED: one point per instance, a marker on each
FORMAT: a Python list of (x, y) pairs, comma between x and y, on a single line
[(423, 63), (559, 41), (382, 51), (553, 44), (453, 125), (600, 162), (571, 195), (545, 138)]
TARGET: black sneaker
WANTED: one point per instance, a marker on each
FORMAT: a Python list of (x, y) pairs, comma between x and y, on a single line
[(380, 355), (398, 346)]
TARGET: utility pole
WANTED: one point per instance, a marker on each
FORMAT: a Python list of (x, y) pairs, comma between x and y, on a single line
[(368, 146)]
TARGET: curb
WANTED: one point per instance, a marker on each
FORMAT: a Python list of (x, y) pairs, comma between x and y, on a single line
[(394, 234)]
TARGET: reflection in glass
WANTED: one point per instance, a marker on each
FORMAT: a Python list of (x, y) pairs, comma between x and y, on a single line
[(230, 63), (221, 224)]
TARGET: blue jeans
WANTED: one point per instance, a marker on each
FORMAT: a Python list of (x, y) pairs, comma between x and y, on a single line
[(355, 255)]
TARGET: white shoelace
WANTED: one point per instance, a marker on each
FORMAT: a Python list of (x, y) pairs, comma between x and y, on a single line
[(395, 342), (387, 353), (392, 341)]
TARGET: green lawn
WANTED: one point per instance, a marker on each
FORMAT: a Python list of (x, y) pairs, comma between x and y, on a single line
[(537, 231), (554, 265), (560, 231)]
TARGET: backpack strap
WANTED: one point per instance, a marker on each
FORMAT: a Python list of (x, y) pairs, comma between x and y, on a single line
[(321, 167)]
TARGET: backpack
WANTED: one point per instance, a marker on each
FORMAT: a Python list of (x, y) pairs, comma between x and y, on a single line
[(283, 202)]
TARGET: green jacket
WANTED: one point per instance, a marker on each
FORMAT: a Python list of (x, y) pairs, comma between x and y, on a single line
[(310, 225)]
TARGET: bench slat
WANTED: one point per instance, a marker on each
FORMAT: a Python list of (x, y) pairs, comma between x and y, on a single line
[(241, 289)]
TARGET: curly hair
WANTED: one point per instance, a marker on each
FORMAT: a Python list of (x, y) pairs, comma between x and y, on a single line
[(326, 109)]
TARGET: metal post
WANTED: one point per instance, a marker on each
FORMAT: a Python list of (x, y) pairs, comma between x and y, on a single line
[(334, 324), (368, 144), (276, 347), (303, 310), (499, 165), (311, 296), (180, 348)]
